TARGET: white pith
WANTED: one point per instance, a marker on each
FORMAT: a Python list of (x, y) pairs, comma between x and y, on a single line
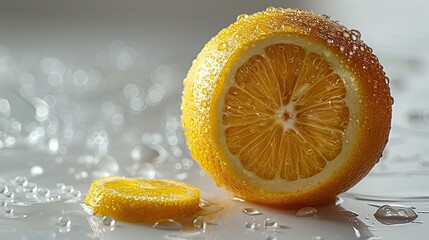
[(351, 99)]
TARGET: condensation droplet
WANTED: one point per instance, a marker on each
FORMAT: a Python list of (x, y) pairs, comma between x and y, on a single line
[(168, 224), (242, 16), (355, 34), (306, 212), (251, 211), (222, 46), (250, 225)]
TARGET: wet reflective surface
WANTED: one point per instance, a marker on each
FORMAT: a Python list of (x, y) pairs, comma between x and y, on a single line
[(65, 122)]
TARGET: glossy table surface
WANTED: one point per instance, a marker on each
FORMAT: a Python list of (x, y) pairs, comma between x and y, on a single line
[(80, 80)]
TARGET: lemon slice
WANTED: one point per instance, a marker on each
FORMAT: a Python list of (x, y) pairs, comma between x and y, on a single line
[(142, 200), (286, 107)]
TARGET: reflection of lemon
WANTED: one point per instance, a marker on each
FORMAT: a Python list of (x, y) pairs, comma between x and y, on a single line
[(286, 107), (142, 200)]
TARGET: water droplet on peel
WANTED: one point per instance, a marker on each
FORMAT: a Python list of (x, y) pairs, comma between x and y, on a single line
[(342, 48), (109, 221), (251, 211), (389, 215), (64, 221), (222, 46), (242, 16), (209, 210), (355, 34), (168, 224), (306, 212)]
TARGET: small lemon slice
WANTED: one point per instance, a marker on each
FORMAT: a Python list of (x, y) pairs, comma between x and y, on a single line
[(142, 200)]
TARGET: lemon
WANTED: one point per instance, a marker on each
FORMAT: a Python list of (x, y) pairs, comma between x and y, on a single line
[(286, 107), (142, 200)]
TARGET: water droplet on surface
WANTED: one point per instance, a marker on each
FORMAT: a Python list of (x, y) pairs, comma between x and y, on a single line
[(31, 187), (390, 215), (43, 192), (200, 224), (306, 212), (347, 213), (251, 211), (342, 48), (237, 199), (271, 238), (3, 203), (9, 194), (3, 189), (109, 221), (168, 224), (64, 221), (209, 210), (76, 193), (270, 224), (339, 201), (316, 238), (8, 210), (105, 165), (21, 180), (250, 225)]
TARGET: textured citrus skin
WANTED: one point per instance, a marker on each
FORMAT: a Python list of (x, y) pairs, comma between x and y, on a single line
[(205, 80), (142, 200)]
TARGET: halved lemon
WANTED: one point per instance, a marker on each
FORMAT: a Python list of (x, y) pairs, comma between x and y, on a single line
[(286, 107), (142, 200)]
